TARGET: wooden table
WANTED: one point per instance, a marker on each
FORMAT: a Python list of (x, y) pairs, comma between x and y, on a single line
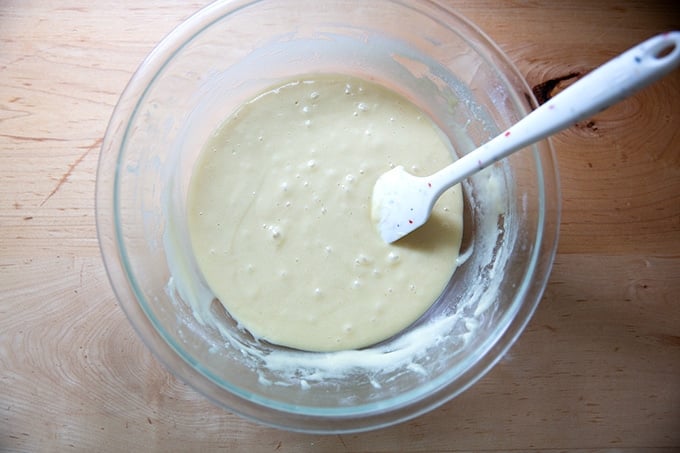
[(598, 367)]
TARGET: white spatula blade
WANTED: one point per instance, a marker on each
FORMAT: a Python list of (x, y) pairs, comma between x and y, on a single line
[(401, 203)]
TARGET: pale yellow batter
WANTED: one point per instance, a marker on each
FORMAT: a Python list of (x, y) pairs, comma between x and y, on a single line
[(279, 215)]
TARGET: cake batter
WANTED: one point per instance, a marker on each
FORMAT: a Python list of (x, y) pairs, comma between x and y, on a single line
[(279, 215)]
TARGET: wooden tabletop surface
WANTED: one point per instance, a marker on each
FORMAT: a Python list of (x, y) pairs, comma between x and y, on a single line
[(597, 368)]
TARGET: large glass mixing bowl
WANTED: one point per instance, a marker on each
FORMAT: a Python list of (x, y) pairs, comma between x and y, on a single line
[(202, 72)]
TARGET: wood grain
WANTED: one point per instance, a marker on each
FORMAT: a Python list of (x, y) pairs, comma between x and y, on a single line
[(597, 368)]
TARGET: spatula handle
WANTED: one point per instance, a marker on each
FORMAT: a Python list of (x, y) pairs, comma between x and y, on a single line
[(608, 84)]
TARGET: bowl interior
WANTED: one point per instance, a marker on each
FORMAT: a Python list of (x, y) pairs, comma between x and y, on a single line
[(220, 58)]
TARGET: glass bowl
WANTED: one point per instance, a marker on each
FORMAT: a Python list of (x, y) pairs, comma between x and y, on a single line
[(222, 56)]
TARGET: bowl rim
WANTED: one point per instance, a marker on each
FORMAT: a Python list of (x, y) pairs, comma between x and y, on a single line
[(124, 285)]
